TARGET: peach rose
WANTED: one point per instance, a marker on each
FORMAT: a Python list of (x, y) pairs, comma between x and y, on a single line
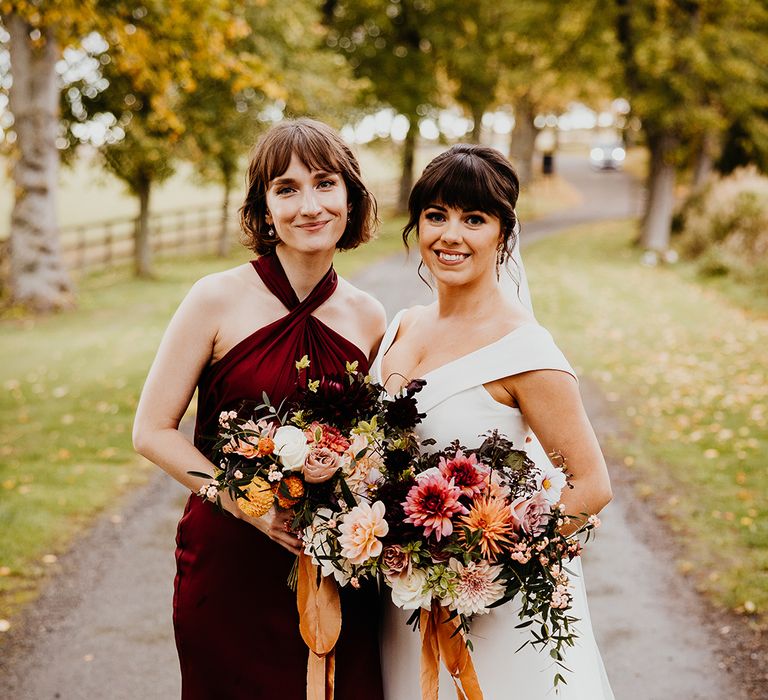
[(321, 464), (395, 560)]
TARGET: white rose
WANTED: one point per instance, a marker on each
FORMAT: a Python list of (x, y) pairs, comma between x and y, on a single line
[(291, 447), (408, 591)]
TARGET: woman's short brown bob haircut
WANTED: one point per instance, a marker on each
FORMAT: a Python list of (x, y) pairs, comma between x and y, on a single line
[(469, 178), (319, 147)]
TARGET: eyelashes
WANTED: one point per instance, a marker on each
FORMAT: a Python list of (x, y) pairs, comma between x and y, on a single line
[(471, 220)]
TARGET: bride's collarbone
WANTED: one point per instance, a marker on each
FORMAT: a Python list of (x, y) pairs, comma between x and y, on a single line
[(413, 359)]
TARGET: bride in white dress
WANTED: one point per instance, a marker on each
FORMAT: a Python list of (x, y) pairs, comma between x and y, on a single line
[(488, 364)]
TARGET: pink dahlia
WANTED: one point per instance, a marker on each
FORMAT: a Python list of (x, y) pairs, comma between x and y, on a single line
[(327, 436), (466, 472), (431, 503)]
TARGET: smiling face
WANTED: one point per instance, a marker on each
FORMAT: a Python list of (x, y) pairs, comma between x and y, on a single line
[(458, 246), (307, 208)]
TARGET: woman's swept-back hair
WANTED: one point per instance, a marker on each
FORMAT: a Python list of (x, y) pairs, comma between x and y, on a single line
[(319, 147), (469, 178)]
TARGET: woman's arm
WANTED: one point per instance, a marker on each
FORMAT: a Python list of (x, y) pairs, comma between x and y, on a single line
[(551, 403), (186, 348)]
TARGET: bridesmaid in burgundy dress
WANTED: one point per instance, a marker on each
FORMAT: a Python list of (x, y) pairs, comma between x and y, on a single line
[(237, 334)]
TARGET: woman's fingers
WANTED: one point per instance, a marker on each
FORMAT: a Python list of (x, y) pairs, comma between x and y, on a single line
[(277, 526)]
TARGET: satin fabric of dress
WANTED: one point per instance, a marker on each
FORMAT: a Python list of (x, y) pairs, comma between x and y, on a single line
[(235, 618)]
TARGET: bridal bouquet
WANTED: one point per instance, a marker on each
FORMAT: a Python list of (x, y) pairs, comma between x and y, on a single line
[(321, 457), (458, 532), (341, 430)]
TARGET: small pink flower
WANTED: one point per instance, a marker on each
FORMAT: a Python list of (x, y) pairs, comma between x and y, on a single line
[(431, 503), (469, 475), (594, 521)]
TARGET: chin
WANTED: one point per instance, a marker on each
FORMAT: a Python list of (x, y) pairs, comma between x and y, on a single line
[(309, 245), (452, 278)]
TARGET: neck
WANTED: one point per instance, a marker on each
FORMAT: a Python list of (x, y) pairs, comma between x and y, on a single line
[(304, 270), (471, 301)]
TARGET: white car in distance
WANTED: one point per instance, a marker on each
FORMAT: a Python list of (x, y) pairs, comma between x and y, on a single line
[(607, 156)]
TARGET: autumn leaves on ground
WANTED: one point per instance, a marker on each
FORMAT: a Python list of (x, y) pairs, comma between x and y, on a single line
[(679, 360), (685, 368)]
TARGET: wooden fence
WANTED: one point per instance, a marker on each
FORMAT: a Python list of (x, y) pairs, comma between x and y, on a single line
[(104, 244), (195, 230)]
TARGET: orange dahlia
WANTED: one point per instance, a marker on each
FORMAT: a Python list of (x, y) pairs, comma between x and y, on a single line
[(258, 498), (289, 491), (266, 446), (492, 519)]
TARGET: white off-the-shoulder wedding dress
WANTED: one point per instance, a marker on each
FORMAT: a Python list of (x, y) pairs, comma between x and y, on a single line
[(457, 406)]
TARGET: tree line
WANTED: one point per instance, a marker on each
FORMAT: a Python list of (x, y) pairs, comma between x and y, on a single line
[(152, 83)]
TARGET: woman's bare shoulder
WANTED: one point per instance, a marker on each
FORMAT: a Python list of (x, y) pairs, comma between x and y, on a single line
[(367, 307), (413, 317), (219, 289)]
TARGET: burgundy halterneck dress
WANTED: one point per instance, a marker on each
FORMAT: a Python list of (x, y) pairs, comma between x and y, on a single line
[(236, 622)]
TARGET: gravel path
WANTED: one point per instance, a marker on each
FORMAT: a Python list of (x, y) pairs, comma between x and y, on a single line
[(102, 627)]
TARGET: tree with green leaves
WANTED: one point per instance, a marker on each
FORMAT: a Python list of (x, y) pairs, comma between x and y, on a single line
[(468, 39), (38, 31), (688, 65), (156, 60), (552, 53), (386, 44), (225, 114)]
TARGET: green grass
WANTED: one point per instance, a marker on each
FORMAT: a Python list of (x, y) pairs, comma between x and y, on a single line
[(683, 362), (70, 384)]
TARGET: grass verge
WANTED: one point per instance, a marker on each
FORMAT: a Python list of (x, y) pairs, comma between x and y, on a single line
[(684, 365), (70, 386)]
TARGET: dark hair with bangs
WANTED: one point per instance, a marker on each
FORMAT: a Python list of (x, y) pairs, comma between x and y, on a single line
[(319, 147), (470, 178)]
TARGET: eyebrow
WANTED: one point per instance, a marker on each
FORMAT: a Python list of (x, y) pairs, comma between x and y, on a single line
[(440, 207)]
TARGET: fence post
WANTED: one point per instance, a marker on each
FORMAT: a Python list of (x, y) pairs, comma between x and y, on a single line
[(81, 247), (108, 238), (202, 230), (156, 231)]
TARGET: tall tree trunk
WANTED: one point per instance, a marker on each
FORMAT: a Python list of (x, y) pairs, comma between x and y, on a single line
[(406, 177), (225, 240), (38, 278), (477, 123), (704, 164), (657, 220), (523, 140), (142, 252)]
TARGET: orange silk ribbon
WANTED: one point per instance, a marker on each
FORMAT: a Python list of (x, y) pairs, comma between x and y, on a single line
[(438, 641), (317, 598)]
